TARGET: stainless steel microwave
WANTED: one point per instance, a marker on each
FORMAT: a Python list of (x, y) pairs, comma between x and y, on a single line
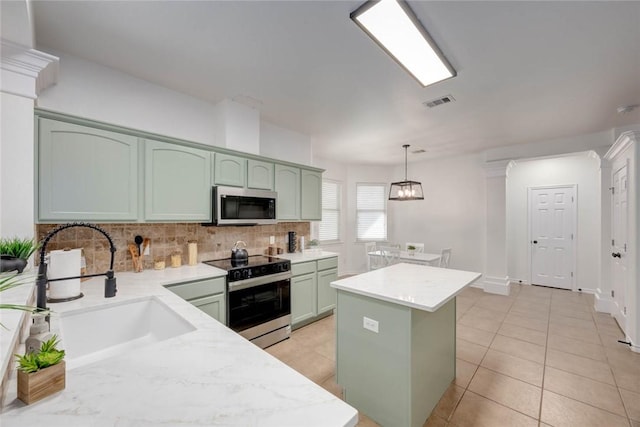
[(241, 206)]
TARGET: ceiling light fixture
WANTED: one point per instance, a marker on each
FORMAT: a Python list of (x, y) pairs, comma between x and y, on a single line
[(405, 190), (397, 30)]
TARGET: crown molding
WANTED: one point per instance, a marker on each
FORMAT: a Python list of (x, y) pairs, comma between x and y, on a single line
[(496, 168), (624, 140), (26, 72)]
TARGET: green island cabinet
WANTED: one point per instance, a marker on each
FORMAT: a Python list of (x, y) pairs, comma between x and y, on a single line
[(177, 183), (260, 175), (230, 170), (287, 185), (208, 295), (85, 173), (311, 294), (311, 195)]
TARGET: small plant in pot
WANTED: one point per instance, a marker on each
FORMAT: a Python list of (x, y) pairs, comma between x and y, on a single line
[(41, 373), (411, 249), (15, 252)]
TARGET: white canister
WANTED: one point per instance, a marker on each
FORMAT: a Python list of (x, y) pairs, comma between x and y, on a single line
[(64, 263)]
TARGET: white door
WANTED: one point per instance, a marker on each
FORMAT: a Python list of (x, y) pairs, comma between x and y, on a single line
[(619, 244), (552, 225)]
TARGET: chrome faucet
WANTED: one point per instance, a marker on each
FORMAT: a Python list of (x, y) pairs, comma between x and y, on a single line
[(42, 280)]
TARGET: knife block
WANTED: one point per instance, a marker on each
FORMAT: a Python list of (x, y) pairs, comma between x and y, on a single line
[(292, 242)]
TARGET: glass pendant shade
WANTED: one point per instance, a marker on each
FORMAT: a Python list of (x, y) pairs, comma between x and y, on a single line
[(406, 190)]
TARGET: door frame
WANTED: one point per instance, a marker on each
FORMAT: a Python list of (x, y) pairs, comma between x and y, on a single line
[(615, 167), (574, 231)]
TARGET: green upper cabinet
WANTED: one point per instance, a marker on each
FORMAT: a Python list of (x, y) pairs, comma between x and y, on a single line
[(259, 175), (86, 173), (311, 195), (177, 183), (230, 170), (287, 185)]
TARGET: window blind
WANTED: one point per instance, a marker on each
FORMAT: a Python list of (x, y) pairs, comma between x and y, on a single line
[(371, 212), (330, 224)]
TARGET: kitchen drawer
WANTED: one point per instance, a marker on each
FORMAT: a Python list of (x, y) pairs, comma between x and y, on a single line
[(303, 268), (199, 288), (327, 263)]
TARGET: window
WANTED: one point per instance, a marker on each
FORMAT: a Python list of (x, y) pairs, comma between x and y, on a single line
[(371, 212), (330, 224)]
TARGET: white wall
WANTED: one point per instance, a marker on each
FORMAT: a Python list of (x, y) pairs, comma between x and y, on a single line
[(452, 214), (87, 89), (237, 127), (582, 169), (284, 144)]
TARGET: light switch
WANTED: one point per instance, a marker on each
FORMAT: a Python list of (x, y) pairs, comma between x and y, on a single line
[(272, 240), (370, 324)]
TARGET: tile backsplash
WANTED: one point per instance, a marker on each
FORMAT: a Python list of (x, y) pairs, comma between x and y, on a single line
[(213, 242)]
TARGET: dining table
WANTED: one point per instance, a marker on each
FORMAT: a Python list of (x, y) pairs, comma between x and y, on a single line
[(423, 258)]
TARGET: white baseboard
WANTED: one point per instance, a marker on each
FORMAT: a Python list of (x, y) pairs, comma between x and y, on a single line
[(603, 303), (496, 285)]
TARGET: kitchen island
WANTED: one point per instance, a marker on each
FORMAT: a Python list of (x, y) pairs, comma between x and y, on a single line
[(209, 376), (396, 340)]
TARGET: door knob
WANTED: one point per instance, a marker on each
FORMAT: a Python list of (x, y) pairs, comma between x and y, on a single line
[(535, 242), (616, 254)]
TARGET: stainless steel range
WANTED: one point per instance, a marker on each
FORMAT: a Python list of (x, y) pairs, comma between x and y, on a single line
[(258, 297)]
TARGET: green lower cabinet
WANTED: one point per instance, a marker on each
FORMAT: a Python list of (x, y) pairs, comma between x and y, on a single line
[(214, 306), (326, 294), (303, 298)]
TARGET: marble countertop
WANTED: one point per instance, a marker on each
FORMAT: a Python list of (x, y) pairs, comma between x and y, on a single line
[(307, 255), (211, 376), (416, 286)]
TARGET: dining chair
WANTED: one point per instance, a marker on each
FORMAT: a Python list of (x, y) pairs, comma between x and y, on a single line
[(419, 247), (373, 262), (390, 255), (445, 257)]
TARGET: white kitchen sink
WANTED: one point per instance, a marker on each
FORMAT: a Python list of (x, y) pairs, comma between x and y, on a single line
[(91, 335)]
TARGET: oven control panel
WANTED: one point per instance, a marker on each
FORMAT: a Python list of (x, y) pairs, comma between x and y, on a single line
[(249, 272)]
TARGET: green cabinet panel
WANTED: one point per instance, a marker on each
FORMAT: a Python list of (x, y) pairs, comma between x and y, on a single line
[(86, 173), (259, 175), (311, 195), (326, 294), (303, 298), (230, 170), (214, 306), (208, 295), (287, 185), (177, 183)]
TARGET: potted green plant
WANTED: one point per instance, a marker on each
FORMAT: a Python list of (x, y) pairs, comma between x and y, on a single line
[(15, 252), (10, 281), (411, 249), (41, 374), (314, 246)]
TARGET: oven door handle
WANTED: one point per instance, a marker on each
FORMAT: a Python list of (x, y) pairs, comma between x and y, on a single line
[(258, 281)]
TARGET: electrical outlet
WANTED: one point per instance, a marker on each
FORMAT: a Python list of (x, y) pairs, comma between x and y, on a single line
[(370, 324), (272, 240)]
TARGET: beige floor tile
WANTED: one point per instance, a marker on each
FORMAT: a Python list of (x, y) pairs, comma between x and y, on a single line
[(594, 369), (531, 302), (576, 314), (477, 322), (578, 347), (585, 390), (632, 403), (627, 380), (538, 291), (635, 423), (435, 421), (621, 357), (486, 313), (364, 421), (519, 348), (313, 366), (496, 302), (331, 386), (556, 319), (448, 402), (524, 334), (529, 312), (515, 367), (476, 336), (507, 391), (526, 322), (613, 331), (463, 300), (586, 335), (471, 292), (464, 372), (327, 349), (472, 353), (475, 410), (561, 411), (286, 350)]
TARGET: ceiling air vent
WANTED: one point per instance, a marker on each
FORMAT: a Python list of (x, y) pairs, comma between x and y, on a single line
[(439, 101)]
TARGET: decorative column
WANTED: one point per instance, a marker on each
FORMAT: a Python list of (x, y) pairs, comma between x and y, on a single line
[(495, 279)]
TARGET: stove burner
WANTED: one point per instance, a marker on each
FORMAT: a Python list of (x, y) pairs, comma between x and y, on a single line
[(254, 266)]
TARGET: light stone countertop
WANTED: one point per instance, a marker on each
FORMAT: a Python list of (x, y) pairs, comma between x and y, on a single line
[(211, 376), (307, 255), (416, 286)]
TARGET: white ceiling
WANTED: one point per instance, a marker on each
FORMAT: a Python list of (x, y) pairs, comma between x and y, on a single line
[(527, 71)]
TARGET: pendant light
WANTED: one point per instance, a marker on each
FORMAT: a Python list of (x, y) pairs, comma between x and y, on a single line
[(405, 190)]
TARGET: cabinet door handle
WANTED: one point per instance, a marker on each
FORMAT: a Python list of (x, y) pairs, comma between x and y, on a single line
[(616, 255), (535, 242)]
